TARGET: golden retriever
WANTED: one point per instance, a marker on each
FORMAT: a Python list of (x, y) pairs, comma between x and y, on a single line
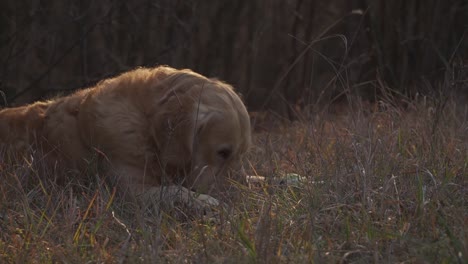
[(153, 127)]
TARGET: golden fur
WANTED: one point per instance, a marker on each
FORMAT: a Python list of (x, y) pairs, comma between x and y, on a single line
[(151, 126)]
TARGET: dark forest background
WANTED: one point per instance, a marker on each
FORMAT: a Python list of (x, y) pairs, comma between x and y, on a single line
[(277, 53)]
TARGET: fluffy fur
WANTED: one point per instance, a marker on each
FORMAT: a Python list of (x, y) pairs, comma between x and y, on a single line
[(152, 127)]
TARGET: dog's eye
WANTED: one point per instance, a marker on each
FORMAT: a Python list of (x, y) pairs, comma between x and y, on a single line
[(224, 153)]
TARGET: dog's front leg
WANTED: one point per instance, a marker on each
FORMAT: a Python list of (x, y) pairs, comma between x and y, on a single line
[(135, 183)]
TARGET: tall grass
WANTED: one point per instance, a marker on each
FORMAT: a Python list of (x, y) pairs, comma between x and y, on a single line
[(381, 183)]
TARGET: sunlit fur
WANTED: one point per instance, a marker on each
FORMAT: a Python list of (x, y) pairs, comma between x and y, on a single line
[(150, 127)]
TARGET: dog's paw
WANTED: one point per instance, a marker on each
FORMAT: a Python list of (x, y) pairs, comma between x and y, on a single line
[(207, 206), (203, 200), (183, 201)]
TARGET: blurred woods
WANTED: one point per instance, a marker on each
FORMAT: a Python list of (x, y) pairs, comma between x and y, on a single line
[(277, 53)]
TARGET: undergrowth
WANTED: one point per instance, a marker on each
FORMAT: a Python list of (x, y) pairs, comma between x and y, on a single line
[(373, 184)]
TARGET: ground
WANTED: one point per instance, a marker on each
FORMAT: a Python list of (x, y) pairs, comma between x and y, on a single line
[(380, 183)]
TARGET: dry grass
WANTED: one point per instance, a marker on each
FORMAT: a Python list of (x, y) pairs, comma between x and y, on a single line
[(383, 184)]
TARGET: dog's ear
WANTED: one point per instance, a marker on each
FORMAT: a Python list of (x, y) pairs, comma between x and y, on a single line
[(203, 115)]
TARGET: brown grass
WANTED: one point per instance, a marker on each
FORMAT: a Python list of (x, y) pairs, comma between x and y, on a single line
[(383, 184)]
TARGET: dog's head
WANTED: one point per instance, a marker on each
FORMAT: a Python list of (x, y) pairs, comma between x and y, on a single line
[(206, 129)]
